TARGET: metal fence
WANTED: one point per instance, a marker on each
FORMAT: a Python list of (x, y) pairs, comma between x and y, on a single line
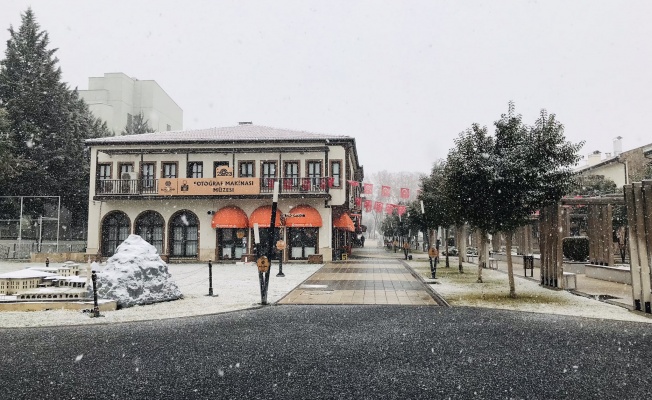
[(22, 251)]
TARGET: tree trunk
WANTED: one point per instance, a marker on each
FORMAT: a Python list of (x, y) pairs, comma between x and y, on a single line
[(446, 240), (483, 245), (510, 266), (461, 245)]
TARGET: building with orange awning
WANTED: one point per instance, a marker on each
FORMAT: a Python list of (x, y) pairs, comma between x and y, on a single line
[(197, 195)]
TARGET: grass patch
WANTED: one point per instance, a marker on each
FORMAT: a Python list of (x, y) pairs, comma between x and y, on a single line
[(494, 290)]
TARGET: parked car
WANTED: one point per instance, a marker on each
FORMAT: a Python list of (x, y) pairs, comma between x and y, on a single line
[(452, 251), (471, 251)]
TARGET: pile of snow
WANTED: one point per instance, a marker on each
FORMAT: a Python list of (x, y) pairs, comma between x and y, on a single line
[(135, 275)]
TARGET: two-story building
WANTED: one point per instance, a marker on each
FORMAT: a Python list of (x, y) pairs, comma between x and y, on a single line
[(197, 195)]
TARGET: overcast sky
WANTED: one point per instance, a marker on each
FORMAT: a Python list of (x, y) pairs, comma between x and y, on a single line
[(403, 78)]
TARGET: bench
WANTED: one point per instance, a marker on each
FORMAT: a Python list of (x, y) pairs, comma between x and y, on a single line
[(317, 258), (493, 263), (568, 276)]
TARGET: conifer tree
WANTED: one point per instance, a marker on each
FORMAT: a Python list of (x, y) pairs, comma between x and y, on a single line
[(137, 126), (47, 122)]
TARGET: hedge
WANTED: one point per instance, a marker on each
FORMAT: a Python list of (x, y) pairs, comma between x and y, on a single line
[(576, 248)]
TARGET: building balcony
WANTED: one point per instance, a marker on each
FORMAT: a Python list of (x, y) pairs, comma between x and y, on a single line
[(262, 186)]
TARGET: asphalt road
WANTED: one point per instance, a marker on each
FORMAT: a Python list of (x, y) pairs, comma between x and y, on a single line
[(333, 352)]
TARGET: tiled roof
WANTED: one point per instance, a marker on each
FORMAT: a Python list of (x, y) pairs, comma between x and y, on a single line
[(239, 133)]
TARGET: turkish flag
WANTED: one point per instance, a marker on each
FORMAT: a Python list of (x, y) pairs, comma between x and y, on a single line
[(386, 191), (405, 193), (368, 206), (401, 210), (331, 182), (358, 201), (389, 208), (368, 188), (378, 207), (354, 183)]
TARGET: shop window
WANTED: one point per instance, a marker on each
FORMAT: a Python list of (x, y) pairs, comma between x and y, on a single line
[(303, 242), (184, 235), (232, 243), (149, 226), (115, 229)]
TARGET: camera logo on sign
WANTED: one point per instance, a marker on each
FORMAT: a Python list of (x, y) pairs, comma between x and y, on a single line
[(223, 171)]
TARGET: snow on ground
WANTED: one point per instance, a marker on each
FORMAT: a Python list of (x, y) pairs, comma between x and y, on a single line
[(531, 297), (235, 287)]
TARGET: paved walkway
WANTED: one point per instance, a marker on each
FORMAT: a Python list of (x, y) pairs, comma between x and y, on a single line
[(362, 281)]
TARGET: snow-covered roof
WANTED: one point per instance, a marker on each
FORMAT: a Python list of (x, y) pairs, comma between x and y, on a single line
[(25, 274), (229, 134)]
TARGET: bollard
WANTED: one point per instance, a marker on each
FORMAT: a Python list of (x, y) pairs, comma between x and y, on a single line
[(47, 262), (280, 265), (210, 278), (96, 307)]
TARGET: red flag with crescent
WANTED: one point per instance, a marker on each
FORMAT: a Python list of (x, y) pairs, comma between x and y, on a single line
[(405, 193), (389, 208), (386, 191), (401, 210), (368, 206), (354, 183), (378, 207), (358, 201), (368, 188)]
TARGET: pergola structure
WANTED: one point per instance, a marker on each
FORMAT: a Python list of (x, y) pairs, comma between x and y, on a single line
[(638, 199), (555, 225)]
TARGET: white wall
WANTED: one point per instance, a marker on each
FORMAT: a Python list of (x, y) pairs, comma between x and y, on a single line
[(115, 95)]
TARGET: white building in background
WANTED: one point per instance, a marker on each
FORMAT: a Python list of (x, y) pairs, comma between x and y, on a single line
[(622, 167), (116, 99)]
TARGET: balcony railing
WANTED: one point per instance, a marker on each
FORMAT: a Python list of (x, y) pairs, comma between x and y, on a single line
[(126, 186), (117, 187)]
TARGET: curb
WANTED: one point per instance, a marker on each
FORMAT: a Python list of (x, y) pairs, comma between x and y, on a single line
[(435, 296)]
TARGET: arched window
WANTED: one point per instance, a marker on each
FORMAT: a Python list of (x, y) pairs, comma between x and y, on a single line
[(115, 229), (149, 226), (184, 228)]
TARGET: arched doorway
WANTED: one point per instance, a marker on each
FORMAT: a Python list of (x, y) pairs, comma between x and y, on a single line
[(115, 229), (184, 235), (150, 226)]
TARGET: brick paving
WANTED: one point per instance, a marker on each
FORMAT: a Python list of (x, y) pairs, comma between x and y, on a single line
[(368, 281)]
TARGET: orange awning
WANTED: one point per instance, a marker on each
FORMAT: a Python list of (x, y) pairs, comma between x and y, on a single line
[(263, 215), (344, 222), (230, 217), (311, 218)]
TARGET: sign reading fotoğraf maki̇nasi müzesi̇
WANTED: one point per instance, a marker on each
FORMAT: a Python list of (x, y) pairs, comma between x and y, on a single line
[(223, 184)]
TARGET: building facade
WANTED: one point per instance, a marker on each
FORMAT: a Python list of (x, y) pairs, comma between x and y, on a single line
[(198, 195), (116, 99), (622, 167)]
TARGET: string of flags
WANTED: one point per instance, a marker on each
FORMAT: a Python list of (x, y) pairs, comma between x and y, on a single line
[(379, 206)]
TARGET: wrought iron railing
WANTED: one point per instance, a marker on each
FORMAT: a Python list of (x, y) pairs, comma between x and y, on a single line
[(150, 186)]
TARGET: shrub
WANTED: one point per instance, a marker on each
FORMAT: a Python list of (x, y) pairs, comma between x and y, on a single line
[(576, 248)]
